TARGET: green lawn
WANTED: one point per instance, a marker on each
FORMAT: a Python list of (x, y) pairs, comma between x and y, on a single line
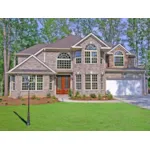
[(76, 116)]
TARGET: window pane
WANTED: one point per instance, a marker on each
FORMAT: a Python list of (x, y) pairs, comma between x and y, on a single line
[(63, 64), (39, 78), (78, 60), (87, 85), (39, 86), (94, 77), (87, 78), (50, 82), (94, 60), (87, 54), (87, 60), (78, 81), (78, 54), (78, 86), (94, 85), (118, 60), (24, 86), (59, 82), (90, 47)]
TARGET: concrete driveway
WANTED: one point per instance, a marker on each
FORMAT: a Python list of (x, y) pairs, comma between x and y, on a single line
[(141, 101)]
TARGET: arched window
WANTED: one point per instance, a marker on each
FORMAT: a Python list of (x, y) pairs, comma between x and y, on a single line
[(91, 54), (118, 58), (63, 61)]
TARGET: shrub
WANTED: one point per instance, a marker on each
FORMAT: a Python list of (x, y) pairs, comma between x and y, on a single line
[(109, 96), (99, 96), (22, 99), (38, 98), (53, 97), (0, 99), (33, 97), (48, 95), (77, 94), (84, 96), (70, 93), (93, 95)]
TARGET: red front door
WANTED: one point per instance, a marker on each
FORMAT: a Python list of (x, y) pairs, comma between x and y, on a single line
[(62, 84)]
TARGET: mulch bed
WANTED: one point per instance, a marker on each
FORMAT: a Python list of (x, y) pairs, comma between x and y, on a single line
[(92, 99), (7, 101)]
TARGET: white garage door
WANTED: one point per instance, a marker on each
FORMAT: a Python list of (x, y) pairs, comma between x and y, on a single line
[(124, 87)]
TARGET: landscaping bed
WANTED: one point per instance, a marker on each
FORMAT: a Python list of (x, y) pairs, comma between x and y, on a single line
[(93, 97), (6, 101)]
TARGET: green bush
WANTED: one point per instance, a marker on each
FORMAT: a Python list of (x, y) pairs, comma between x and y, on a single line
[(22, 99), (77, 94), (109, 96), (0, 99), (99, 96), (53, 97), (84, 96), (93, 95), (33, 97), (38, 98), (48, 95), (70, 93)]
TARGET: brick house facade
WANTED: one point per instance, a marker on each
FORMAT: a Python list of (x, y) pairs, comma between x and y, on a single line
[(88, 65)]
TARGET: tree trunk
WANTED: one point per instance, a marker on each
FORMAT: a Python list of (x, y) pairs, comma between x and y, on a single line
[(5, 61)]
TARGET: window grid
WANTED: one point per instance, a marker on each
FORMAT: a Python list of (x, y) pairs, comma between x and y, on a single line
[(50, 82), (63, 61), (118, 59), (36, 83), (91, 81), (78, 57), (90, 54), (78, 82), (102, 82), (13, 82)]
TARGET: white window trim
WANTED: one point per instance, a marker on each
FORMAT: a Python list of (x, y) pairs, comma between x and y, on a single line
[(118, 56), (51, 82), (13, 83), (63, 59), (91, 81), (90, 56), (35, 84), (78, 82)]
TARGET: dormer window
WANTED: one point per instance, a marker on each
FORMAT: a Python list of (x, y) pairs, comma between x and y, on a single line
[(90, 54), (118, 58)]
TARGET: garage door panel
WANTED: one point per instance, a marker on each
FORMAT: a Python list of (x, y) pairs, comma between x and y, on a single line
[(124, 87)]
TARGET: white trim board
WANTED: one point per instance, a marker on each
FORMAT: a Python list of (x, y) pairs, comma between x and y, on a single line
[(109, 52), (27, 60), (91, 34)]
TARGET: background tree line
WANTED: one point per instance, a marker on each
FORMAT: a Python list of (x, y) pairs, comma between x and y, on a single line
[(18, 34)]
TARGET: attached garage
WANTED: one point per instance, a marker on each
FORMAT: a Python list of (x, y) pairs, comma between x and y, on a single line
[(124, 87)]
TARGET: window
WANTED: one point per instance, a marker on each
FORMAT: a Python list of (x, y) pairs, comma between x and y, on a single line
[(102, 82), (36, 82), (78, 82), (90, 54), (13, 82), (78, 57), (50, 82), (118, 59), (63, 61), (39, 82), (91, 81)]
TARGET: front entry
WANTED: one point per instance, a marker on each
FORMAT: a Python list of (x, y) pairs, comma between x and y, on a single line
[(62, 84)]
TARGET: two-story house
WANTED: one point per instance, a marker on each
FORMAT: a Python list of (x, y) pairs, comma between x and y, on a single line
[(88, 65)]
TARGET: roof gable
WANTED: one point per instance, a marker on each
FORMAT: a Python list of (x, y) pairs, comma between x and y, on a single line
[(119, 46), (31, 64), (95, 37)]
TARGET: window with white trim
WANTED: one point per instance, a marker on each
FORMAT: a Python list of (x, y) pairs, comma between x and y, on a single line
[(102, 82), (118, 59), (78, 82), (91, 81), (36, 82), (78, 57), (50, 82), (64, 61), (13, 82), (90, 54), (39, 82)]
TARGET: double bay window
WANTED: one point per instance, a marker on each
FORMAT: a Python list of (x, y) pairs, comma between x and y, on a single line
[(90, 54), (36, 82), (78, 82), (91, 81), (118, 59)]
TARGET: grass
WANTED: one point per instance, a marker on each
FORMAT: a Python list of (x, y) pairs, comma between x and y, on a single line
[(76, 117)]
